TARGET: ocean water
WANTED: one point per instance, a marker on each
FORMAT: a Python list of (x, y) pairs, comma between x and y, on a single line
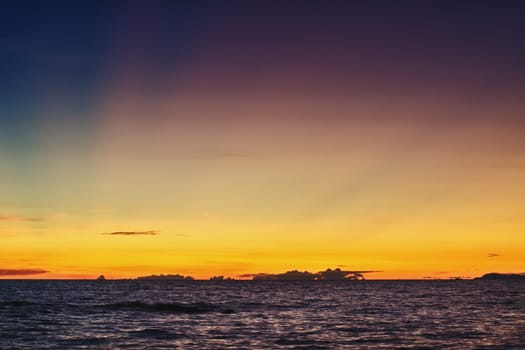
[(262, 315)]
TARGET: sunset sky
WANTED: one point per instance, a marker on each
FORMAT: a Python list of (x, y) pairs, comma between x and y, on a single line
[(235, 137)]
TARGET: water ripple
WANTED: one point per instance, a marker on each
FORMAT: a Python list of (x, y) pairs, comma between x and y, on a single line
[(262, 315)]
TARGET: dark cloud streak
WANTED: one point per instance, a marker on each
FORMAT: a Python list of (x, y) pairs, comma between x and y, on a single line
[(21, 272), (132, 233), (17, 218)]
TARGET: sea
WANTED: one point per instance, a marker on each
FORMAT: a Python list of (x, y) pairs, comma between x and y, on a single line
[(473, 314)]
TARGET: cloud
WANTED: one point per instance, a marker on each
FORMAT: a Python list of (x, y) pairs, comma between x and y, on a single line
[(132, 233), (17, 218), (493, 255), (222, 155), (231, 155), (21, 272)]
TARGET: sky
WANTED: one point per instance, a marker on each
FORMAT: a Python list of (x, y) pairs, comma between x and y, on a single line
[(241, 137)]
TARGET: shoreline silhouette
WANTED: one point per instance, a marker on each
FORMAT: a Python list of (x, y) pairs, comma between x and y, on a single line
[(326, 275)]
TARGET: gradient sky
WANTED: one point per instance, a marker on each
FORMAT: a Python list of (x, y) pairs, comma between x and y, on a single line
[(209, 137)]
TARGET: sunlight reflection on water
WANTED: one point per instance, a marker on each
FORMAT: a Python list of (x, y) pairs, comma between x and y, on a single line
[(255, 315)]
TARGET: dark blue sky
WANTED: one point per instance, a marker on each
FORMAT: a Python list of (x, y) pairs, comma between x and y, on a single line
[(65, 52)]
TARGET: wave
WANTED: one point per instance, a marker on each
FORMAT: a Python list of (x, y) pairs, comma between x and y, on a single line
[(166, 307), (15, 303), (171, 307)]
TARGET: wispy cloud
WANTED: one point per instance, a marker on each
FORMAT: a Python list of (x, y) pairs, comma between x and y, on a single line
[(18, 218), (131, 233), (493, 255), (21, 272), (222, 155)]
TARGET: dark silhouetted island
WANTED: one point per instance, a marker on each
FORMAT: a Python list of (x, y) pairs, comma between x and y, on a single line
[(327, 275), (165, 278), (221, 278), (294, 275), (493, 276), (101, 278)]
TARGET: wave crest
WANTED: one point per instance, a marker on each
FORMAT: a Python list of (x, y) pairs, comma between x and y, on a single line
[(165, 307)]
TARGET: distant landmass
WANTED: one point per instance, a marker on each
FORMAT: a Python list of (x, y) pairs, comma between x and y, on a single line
[(493, 276), (221, 278), (293, 275), (326, 275), (176, 277)]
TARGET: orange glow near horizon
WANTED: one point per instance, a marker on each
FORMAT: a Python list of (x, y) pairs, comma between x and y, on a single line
[(223, 145), (310, 199)]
